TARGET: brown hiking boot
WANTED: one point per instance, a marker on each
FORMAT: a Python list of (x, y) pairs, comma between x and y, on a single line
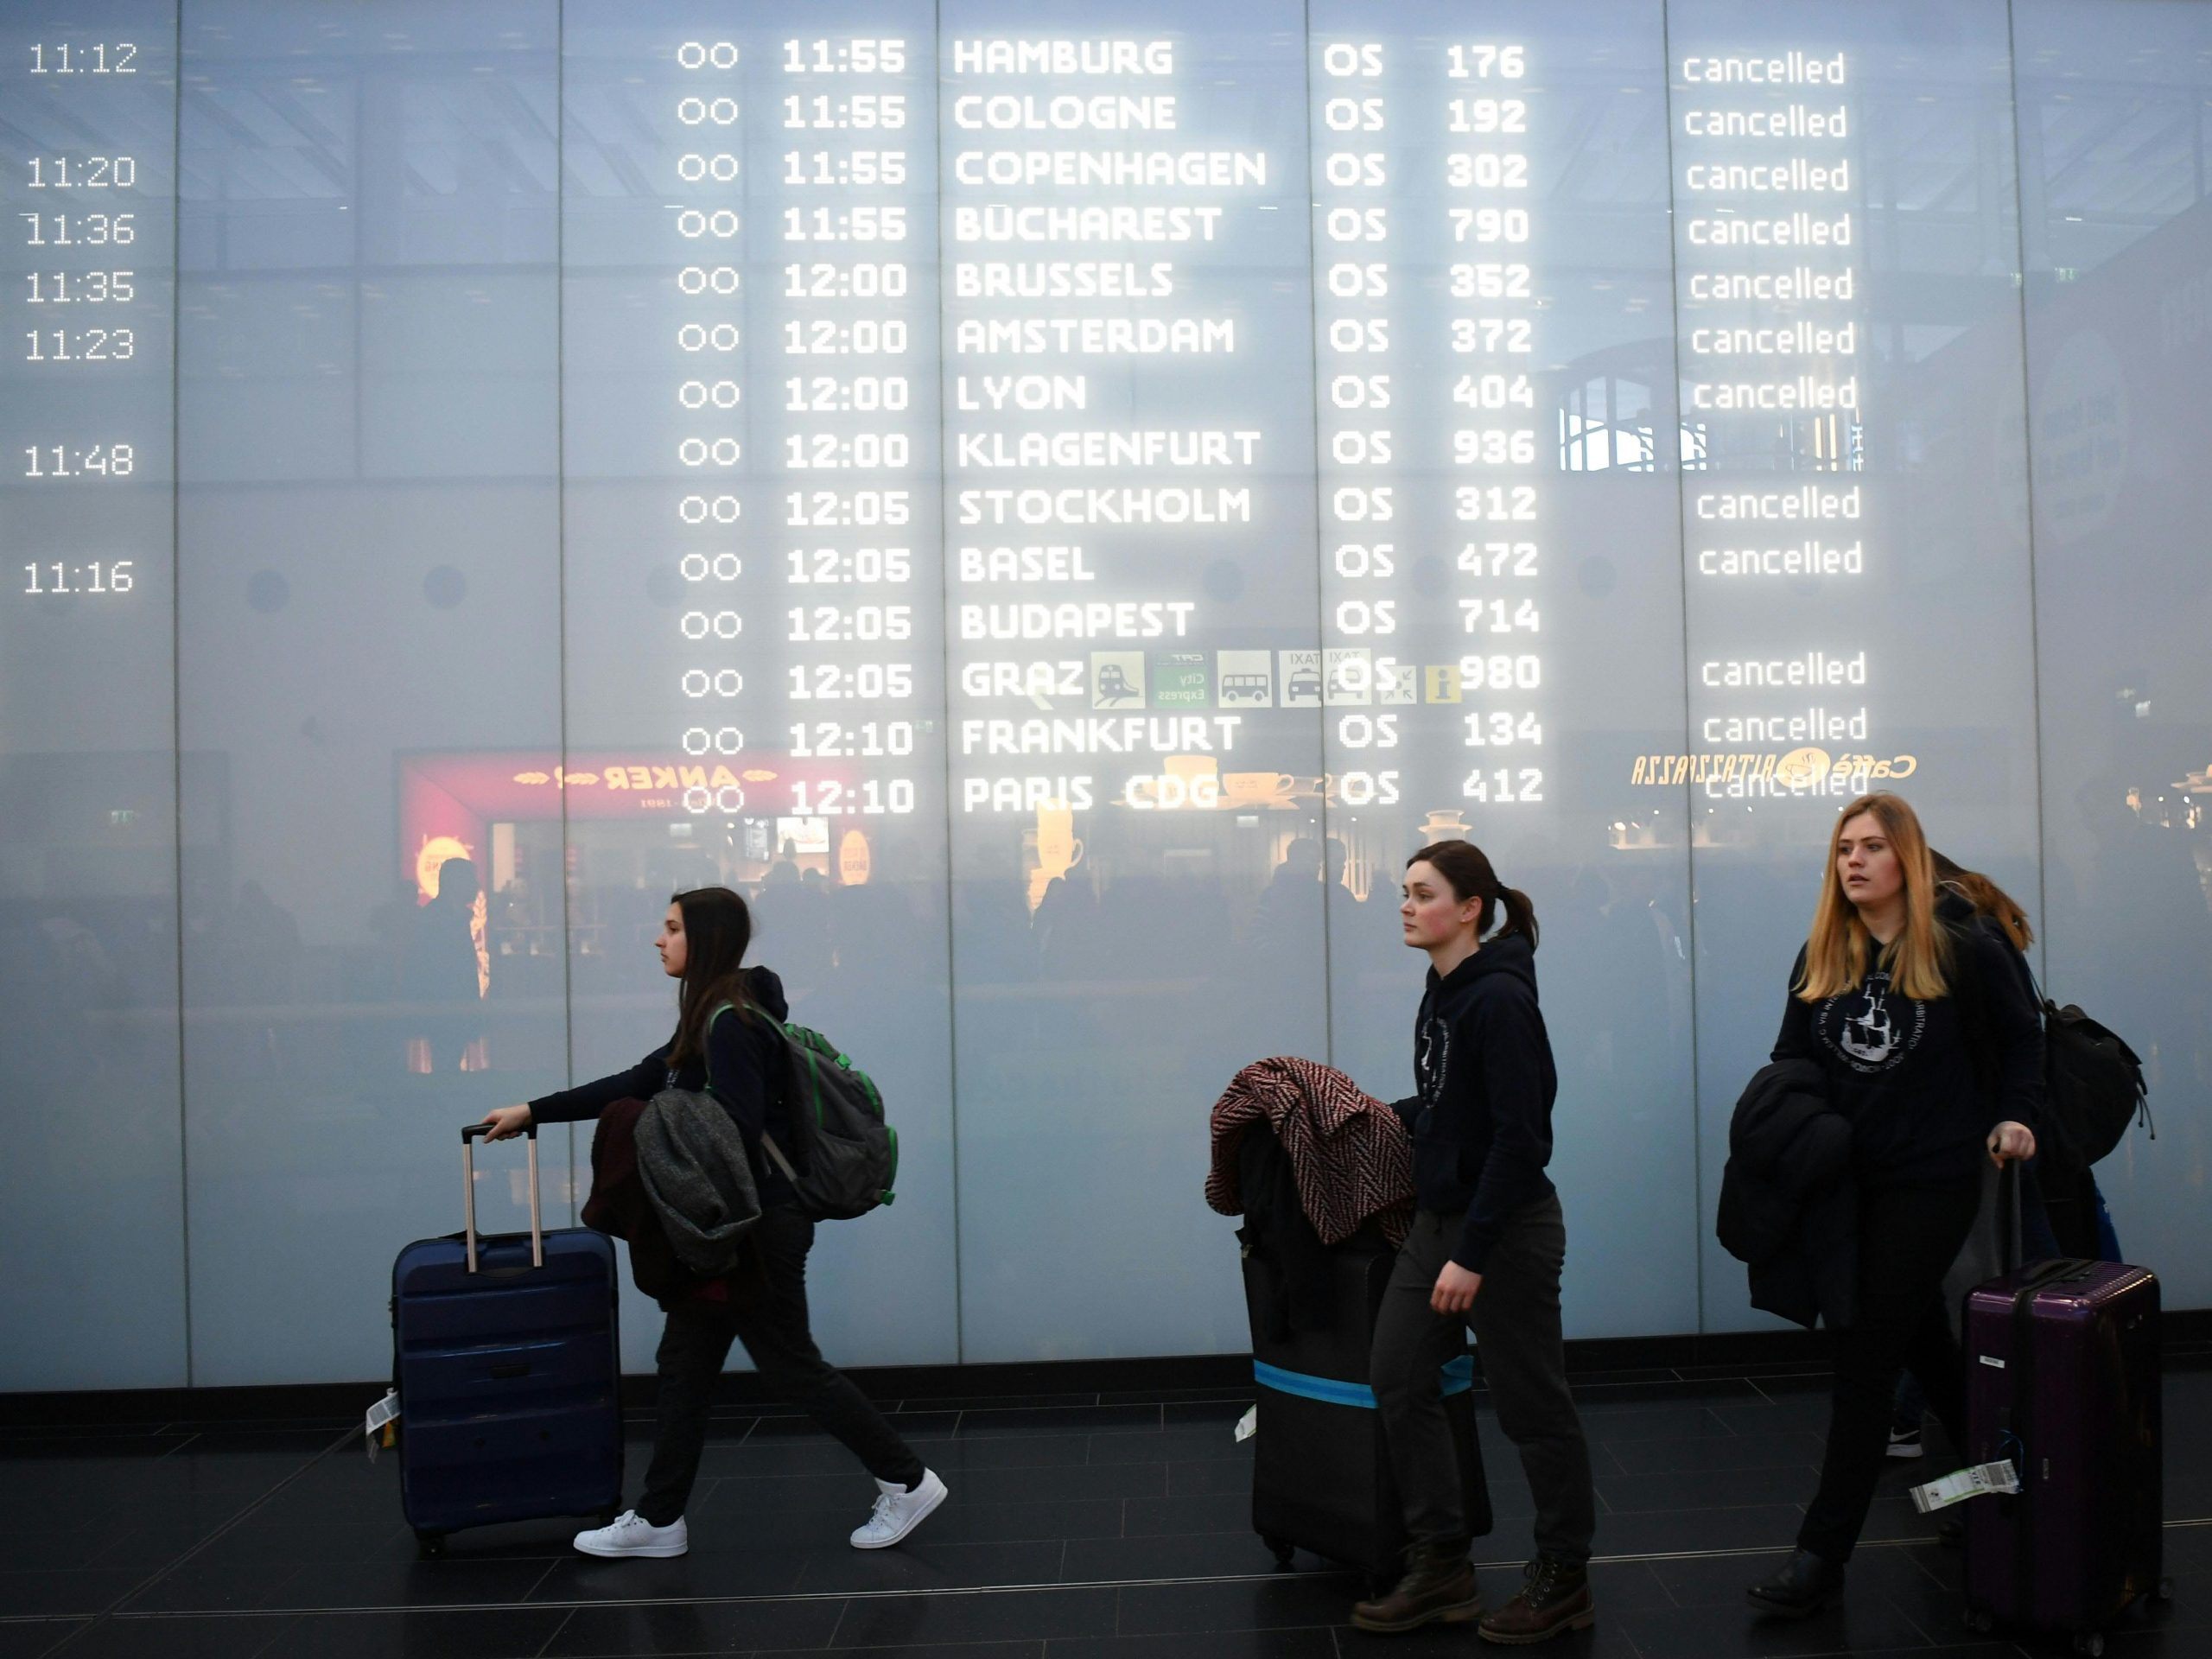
[(1438, 1584), (1555, 1596)]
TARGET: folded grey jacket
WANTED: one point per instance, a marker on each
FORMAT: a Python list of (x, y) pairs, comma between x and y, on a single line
[(692, 1160)]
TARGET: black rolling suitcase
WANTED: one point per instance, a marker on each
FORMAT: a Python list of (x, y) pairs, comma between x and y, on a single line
[(1320, 1474), (509, 1373)]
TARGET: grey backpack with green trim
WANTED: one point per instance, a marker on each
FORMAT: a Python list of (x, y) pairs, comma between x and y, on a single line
[(846, 1156)]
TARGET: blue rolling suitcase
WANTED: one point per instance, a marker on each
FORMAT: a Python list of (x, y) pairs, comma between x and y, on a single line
[(505, 1357)]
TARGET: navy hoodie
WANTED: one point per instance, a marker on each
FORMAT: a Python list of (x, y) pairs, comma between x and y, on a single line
[(1482, 1120), (745, 1058)]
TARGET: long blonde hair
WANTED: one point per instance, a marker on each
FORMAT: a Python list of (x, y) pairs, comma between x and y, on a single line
[(1839, 951)]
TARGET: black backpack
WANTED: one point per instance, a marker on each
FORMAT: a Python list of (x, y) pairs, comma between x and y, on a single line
[(2093, 1082)]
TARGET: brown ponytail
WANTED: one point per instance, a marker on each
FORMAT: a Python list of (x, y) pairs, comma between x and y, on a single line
[(1987, 898), (1467, 868)]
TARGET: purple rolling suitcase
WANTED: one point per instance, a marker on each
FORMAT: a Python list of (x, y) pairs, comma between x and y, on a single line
[(505, 1357), (2062, 1381)]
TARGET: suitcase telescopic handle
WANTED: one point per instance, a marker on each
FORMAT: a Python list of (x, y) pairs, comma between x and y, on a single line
[(468, 1193)]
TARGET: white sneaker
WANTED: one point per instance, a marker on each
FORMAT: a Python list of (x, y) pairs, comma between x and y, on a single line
[(630, 1533), (898, 1511)]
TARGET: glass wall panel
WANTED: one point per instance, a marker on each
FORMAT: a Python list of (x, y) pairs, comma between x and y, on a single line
[(755, 657), (2115, 113), (1133, 663), (370, 662), (1056, 504), (1853, 514), (1501, 575), (91, 1189)]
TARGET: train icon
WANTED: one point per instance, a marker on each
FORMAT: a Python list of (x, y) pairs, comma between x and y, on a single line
[(1114, 685)]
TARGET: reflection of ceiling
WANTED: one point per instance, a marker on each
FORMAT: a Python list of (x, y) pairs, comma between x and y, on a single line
[(2118, 153)]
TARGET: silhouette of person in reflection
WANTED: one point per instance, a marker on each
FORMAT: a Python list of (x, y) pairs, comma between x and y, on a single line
[(793, 917), (438, 976), (1346, 901), (1288, 909)]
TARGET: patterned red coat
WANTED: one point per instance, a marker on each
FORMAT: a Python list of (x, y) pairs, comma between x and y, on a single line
[(1349, 1153)]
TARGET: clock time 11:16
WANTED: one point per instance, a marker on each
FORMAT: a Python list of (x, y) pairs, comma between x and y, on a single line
[(60, 579)]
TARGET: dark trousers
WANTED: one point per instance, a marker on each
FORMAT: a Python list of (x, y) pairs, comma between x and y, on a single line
[(1908, 1237), (774, 1332), (1516, 1322)]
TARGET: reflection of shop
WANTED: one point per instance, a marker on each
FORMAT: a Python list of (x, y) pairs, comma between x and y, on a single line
[(562, 850)]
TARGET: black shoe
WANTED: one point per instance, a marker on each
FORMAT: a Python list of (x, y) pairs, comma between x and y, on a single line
[(1805, 1585)]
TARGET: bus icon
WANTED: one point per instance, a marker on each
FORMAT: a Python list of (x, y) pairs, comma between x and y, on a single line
[(1245, 688)]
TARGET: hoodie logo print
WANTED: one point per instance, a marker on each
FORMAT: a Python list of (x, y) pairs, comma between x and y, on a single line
[(1867, 1034), (1434, 1055)]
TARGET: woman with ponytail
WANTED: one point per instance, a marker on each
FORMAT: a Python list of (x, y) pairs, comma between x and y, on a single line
[(1933, 1053), (1486, 1249), (726, 1042)]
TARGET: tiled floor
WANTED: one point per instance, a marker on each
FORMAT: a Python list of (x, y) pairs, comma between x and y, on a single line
[(1080, 1528)]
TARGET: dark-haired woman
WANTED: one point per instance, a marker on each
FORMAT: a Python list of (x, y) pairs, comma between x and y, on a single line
[(1935, 1055), (1486, 1249), (722, 1034)]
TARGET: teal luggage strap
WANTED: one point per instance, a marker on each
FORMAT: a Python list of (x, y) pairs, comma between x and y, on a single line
[(1458, 1378)]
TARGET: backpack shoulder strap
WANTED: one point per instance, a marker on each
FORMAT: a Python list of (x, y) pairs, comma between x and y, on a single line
[(767, 1140), (706, 1042), (1971, 986)]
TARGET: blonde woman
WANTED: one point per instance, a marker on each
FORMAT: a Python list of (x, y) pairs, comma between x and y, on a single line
[(1934, 1054)]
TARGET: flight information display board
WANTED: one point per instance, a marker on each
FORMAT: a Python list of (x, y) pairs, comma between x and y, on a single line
[(1078, 410), (1054, 499)]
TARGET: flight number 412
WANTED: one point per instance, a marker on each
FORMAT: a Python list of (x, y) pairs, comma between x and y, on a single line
[(1504, 786)]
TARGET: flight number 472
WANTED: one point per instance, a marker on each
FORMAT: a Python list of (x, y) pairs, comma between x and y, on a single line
[(1499, 558)]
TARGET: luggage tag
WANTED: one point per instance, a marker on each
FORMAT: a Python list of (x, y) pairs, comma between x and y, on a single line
[(376, 1432), (1961, 1484)]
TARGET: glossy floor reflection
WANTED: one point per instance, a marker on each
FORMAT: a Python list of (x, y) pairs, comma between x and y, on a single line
[(1080, 1528)]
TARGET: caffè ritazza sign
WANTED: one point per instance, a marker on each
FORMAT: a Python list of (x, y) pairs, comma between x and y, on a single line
[(1755, 774)]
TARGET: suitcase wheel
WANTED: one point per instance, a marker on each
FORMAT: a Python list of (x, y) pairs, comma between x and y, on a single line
[(2165, 1592), (1284, 1551), (2090, 1644), (1980, 1621), (429, 1545)]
